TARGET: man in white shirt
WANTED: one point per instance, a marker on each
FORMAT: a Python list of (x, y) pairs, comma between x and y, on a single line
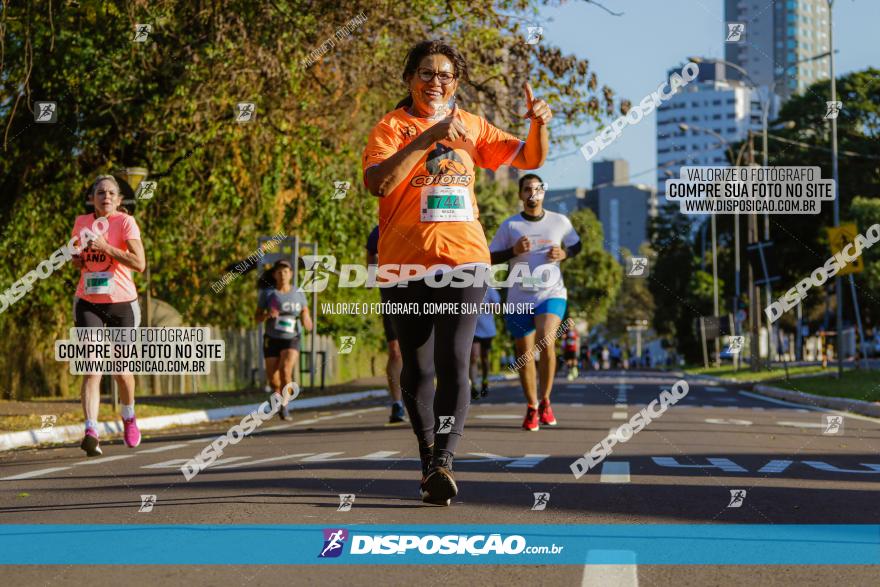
[(531, 239)]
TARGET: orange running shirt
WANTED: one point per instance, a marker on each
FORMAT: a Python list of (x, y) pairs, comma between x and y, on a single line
[(431, 218)]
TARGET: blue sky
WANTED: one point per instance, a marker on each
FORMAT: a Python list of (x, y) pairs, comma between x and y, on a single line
[(632, 53)]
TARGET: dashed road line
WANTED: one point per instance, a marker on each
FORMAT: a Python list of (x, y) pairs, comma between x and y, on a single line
[(614, 472)]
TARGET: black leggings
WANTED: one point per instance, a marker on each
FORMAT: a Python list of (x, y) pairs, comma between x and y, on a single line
[(440, 345)]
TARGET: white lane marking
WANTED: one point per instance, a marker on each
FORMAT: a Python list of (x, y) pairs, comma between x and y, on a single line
[(499, 416), (324, 456), (226, 460), (171, 464), (160, 449), (621, 405), (261, 461), (614, 472), (728, 421), (103, 460), (619, 416), (529, 461), (802, 408), (801, 424), (30, 474), (526, 462), (379, 455), (622, 575)]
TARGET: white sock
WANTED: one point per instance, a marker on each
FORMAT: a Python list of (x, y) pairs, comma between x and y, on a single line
[(127, 411), (93, 424)]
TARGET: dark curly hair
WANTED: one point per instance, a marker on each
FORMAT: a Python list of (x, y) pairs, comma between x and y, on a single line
[(422, 50)]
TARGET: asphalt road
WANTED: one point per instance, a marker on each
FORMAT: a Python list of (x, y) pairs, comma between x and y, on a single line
[(681, 468)]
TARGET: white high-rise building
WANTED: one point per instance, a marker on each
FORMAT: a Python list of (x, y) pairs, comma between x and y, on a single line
[(777, 39), (709, 104)]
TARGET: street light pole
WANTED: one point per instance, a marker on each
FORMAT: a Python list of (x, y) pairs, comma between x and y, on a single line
[(835, 176)]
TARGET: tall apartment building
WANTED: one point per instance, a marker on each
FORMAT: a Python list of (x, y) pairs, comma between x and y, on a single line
[(621, 207), (778, 37), (712, 102)]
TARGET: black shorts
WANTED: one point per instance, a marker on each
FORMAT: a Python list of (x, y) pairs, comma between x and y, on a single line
[(485, 343), (115, 315), (272, 347), (569, 355)]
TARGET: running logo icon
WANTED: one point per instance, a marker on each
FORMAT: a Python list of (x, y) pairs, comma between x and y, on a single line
[(735, 32), (142, 32), (334, 541), (47, 421), (445, 424), (147, 503), (341, 188), (737, 497), (637, 267), (832, 109), (736, 344), (317, 274), (346, 344), (534, 35), (245, 112), (346, 500), (833, 424), (541, 501), (145, 190), (45, 112)]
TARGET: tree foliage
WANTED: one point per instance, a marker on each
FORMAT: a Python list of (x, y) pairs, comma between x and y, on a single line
[(169, 104)]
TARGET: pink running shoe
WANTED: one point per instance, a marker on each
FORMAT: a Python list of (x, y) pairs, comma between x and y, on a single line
[(90, 443), (131, 433)]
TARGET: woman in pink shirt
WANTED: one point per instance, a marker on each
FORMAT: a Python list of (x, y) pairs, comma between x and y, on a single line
[(106, 296)]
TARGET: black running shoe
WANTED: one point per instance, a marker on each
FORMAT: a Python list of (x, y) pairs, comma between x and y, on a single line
[(90, 444), (475, 394), (426, 453), (485, 391), (398, 414), (438, 487)]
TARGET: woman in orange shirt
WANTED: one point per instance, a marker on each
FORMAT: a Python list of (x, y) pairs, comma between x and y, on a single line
[(420, 161)]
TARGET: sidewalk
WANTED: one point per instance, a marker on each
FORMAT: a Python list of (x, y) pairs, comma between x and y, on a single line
[(234, 404), (855, 406)]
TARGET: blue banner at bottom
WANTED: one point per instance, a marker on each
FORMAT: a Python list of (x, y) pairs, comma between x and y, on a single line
[(653, 544)]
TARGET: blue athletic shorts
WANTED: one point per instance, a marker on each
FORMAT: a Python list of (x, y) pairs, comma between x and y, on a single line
[(520, 325)]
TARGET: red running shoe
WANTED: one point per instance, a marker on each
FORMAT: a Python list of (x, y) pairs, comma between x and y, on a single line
[(545, 413), (531, 421)]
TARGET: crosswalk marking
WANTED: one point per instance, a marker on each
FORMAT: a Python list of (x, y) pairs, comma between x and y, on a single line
[(261, 461), (614, 472), (619, 416), (160, 449), (37, 473), (103, 460), (621, 575)]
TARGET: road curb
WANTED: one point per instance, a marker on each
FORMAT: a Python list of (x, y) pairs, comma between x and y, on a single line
[(38, 436), (801, 397)]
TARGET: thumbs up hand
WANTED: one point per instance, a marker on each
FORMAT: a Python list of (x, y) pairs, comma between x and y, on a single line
[(538, 110)]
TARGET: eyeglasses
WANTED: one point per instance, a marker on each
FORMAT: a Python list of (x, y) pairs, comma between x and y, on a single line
[(426, 75)]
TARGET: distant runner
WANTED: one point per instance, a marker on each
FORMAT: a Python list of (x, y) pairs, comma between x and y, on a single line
[(570, 347), (420, 161), (395, 362), (536, 237), (106, 297), (483, 336), (287, 313)]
